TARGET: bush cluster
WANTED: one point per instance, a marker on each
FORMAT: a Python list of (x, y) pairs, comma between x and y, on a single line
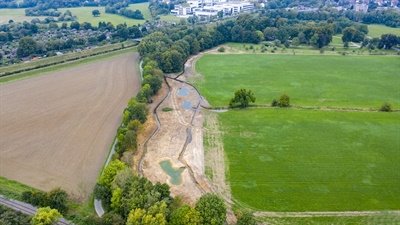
[(55, 199)]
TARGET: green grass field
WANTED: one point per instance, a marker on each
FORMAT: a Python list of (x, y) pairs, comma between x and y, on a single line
[(375, 30), (84, 14), (310, 80), (304, 160), (18, 15)]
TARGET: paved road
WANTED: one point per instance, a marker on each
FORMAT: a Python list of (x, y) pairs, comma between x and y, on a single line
[(25, 208)]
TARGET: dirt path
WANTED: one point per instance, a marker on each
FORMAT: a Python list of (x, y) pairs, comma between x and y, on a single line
[(57, 129)]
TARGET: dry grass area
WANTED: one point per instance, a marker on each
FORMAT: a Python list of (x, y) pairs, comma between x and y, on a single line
[(56, 129)]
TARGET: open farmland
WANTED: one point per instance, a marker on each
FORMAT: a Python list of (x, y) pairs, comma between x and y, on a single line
[(375, 30), (303, 160), (310, 80), (84, 14), (56, 129)]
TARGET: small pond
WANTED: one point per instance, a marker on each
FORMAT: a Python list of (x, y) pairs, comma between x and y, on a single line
[(187, 105), (183, 91), (175, 174)]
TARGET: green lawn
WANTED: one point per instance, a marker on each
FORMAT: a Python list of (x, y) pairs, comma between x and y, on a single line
[(310, 80), (304, 160), (375, 30), (18, 15), (84, 14)]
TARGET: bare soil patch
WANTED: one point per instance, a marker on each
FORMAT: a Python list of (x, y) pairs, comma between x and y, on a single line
[(179, 139), (57, 129)]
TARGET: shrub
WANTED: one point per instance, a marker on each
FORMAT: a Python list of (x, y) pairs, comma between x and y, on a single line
[(221, 49), (386, 107), (246, 218), (167, 109), (275, 103), (55, 199)]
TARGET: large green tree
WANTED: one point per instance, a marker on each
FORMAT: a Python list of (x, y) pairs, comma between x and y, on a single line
[(109, 173), (242, 98), (26, 47), (212, 210)]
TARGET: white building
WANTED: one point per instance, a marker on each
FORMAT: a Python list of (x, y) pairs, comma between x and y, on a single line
[(182, 10), (210, 8)]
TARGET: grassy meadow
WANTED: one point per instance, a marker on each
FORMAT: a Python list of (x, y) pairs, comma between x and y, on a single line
[(303, 160), (375, 30), (18, 15), (84, 14), (310, 80)]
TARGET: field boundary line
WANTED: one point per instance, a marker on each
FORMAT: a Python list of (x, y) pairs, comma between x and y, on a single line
[(325, 213)]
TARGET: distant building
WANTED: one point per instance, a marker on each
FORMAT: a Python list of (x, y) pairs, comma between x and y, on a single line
[(182, 10), (361, 6), (205, 9)]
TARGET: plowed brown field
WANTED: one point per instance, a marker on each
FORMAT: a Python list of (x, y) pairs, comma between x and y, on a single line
[(56, 129)]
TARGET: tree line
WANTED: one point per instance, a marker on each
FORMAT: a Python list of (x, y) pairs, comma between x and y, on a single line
[(170, 47), (121, 9), (390, 17)]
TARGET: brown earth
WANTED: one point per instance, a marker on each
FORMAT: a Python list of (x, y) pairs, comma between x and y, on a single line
[(56, 130)]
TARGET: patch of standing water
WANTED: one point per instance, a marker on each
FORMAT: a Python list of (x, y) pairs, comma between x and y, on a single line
[(187, 105), (175, 174), (183, 91)]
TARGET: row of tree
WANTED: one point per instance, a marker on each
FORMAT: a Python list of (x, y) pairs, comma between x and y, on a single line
[(172, 46), (134, 14), (56, 199), (390, 17)]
